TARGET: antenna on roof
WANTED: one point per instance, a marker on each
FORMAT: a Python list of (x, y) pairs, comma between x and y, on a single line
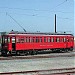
[(15, 21)]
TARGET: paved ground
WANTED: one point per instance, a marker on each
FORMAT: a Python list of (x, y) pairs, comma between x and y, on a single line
[(36, 64)]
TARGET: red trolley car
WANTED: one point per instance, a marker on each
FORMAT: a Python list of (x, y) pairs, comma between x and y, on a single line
[(31, 43)]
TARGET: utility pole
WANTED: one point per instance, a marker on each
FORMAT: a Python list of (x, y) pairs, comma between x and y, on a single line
[(55, 24)]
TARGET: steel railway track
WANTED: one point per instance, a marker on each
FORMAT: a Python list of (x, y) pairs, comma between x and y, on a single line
[(36, 57), (62, 71)]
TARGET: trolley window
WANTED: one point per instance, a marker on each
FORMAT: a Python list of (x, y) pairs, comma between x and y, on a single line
[(8, 39), (64, 39), (72, 39), (30, 39), (22, 40), (37, 39), (40, 39), (18, 40), (4, 39), (67, 40), (45, 39), (49, 39), (58, 39), (52, 39), (13, 39), (27, 39), (33, 39)]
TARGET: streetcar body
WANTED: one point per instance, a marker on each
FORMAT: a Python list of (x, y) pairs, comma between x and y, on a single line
[(32, 43)]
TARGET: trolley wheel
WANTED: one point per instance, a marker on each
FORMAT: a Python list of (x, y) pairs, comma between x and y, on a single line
[(4, 53), (17, 53), (32, 52), (25, 53), (71, 49)]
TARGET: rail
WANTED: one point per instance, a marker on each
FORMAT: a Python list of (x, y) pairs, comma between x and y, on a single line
[(36, 56), (62, 71)]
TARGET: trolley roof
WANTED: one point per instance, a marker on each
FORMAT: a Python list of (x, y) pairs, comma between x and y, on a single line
[(35, 33)]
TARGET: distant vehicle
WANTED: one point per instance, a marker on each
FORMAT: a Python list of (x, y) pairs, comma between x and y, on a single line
[(31, 43)]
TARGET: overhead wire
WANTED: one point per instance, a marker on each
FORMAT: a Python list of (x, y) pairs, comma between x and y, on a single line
[(66, 18), (36, 10), (36, 15), (40, 10), (60, 4)]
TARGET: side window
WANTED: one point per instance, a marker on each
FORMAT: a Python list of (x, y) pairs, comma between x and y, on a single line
[(52, 39), (40, 39), (61, 39), (49, 39), (33, 39), (58, 39), (8, 39), (64, 39), (45, 39), (27, 39), (71, 39), (30, 39), (67, 39), (22, 40), (2, 40), (17, 40), (37, 39)]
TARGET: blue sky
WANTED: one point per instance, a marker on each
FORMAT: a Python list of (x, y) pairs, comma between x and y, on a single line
[(37, 15)]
